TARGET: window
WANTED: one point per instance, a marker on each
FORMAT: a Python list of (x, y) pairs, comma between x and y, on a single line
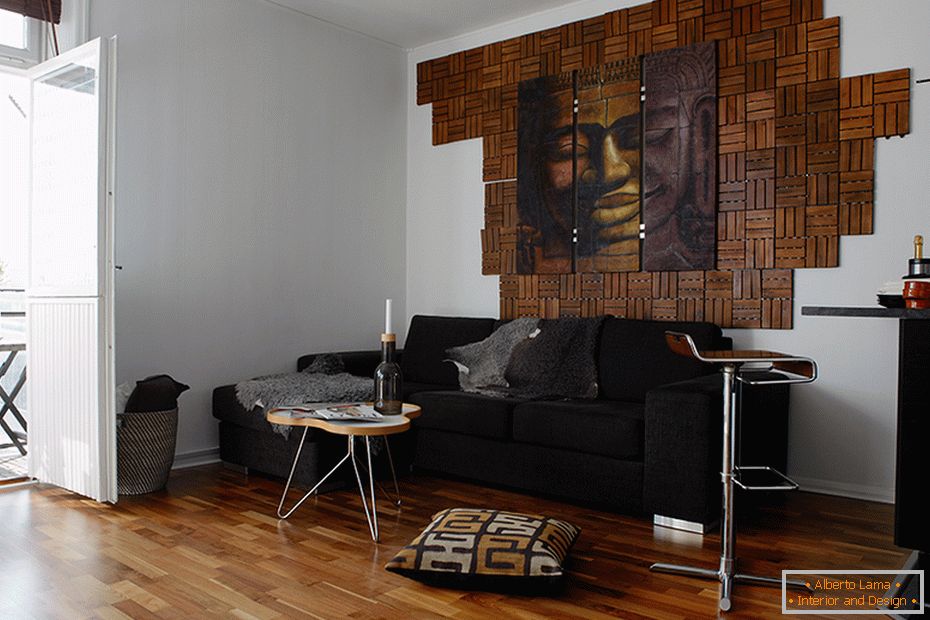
[(19, 39), (14, 174), (12, 30)]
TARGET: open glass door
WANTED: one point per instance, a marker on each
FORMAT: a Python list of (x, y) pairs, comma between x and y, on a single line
[(14, 176), (69, 300)]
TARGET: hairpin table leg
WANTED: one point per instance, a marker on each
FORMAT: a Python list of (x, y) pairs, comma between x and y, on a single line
[(387, 445), (395, 498), (372, 522), (371, 485), (287, 487)]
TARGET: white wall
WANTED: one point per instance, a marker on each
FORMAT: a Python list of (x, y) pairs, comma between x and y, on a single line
[(260, 192), (842, 427)]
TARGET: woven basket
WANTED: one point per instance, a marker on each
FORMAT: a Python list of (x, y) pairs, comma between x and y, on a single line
[(145, 450)]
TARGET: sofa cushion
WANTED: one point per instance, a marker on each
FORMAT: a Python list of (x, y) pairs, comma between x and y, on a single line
[(326, 363), (424, 358), (409, 388), (633, 357), (466, 413), (607, 428), (226, 407), (360, 363)]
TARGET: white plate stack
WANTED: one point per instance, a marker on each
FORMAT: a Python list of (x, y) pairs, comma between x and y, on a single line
[(891, 294)]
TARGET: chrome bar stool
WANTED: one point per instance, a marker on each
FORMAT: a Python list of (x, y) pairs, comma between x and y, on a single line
[(781, 368)]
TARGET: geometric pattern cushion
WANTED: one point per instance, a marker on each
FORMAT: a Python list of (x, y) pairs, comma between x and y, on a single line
[(463, 545)]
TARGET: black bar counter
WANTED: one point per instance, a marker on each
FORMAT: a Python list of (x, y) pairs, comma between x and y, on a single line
[(912, 469)]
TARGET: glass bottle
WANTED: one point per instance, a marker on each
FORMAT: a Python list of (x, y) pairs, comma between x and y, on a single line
[(918, 267), (388, 381)]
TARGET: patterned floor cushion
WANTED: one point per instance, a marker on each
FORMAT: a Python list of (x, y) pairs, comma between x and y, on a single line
[(480, 548)]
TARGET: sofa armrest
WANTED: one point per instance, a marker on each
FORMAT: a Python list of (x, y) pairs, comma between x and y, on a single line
[(360, 363), (683, 426), (681, 476)]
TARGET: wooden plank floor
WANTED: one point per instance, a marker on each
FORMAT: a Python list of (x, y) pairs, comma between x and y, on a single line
[(210, 546)]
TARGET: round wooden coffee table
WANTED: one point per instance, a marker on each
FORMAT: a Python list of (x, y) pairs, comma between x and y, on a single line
[(390, 425)]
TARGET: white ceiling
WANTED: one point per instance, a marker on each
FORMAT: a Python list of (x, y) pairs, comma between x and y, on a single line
[(412, 23)]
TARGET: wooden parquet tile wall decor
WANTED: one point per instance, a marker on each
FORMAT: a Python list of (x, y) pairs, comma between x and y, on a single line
[(795, 148)]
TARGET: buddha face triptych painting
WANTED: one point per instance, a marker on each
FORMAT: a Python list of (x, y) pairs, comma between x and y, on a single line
[(617, 166)]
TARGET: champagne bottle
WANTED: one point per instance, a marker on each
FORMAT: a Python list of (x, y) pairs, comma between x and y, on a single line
[(918, 267), (388, 380)]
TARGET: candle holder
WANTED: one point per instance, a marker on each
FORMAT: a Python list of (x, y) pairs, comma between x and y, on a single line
[(388, 378)]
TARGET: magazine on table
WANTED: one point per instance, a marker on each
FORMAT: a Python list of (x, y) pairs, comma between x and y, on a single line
[(358, 412)]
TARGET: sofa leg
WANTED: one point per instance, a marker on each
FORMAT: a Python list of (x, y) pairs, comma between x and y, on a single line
[(694, 527), (242, 469)]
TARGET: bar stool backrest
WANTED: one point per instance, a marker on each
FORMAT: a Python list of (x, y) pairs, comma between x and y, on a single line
[(682, 344), (790, 368)]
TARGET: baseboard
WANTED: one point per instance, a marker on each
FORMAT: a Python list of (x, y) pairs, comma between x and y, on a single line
[(869, 493), (884, 495), (196, 458)]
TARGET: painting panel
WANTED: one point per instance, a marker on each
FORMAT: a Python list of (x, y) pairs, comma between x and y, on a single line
[(608, 195), (680, 159), (545, 175)]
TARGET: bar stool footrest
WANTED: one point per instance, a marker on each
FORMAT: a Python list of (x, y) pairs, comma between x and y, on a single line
[(762, 478), (770, 377)]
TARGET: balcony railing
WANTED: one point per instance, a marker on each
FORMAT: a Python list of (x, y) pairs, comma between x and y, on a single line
[(13, 402)]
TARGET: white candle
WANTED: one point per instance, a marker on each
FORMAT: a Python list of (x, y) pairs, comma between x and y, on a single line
[(387, 317)]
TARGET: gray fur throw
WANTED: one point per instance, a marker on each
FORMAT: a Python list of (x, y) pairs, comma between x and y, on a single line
[(482, 364), (558, 362), (302, 387)]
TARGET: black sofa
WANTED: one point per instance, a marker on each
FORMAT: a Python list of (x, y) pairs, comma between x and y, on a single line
[(650, 442)]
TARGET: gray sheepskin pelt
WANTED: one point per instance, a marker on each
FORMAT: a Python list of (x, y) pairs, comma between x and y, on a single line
[(301, 387), (482, 364)]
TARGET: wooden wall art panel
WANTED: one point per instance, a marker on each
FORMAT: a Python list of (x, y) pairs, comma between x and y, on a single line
[(578, 171), (680, 158), (608, 190), (546, 149), (795, 144)]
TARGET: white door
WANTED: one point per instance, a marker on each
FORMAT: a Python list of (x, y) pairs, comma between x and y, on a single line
[(69, 308)]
